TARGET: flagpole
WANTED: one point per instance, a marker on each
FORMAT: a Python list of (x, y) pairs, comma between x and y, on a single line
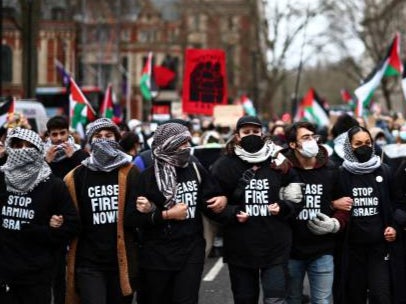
[(128, 94), (124, 72), (299, 72)]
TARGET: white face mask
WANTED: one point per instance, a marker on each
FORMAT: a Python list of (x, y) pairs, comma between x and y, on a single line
[(309, 149), (196, 140)]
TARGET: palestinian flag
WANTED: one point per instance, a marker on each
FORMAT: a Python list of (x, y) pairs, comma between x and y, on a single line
[(389, 66), (395, 66), (146, 79), (345, 96), (107, 105), (311, 109), (81, 111), (163, 76), (109, 108), (7, 111), (248, 106)]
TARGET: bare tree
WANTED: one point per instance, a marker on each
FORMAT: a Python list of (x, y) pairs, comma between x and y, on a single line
[(371, 22), (288, 37)]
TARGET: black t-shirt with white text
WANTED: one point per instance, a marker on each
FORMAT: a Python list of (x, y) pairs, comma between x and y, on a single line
[(97, 193)]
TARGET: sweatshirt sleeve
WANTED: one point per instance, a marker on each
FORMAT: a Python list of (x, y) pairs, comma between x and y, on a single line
[(64, 206), (132, 217), (289, 209)]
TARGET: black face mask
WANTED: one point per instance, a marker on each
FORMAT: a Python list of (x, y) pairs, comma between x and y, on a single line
[(363, 153), (252, 143)]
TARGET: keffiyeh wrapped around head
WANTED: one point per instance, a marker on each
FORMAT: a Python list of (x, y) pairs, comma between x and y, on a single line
[(25, 167), (102, 124), (106, 155), (352, 164), (167, 156)]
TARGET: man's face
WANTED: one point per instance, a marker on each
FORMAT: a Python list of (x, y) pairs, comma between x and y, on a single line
[(302, 136), (58, 136)]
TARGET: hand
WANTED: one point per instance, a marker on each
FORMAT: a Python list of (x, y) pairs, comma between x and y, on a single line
[(343, 203), (274, 208), (51, 153), (390, 234), (56, 221), (177, 212), (242, 217), (292, 193), (69, 149), (217, 203), (143, 204), (323, 224)]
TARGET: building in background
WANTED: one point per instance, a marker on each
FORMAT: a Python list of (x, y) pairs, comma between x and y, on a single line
[(101, 42)]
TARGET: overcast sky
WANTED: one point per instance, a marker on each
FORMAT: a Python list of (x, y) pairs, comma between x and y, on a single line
[(315, 28)]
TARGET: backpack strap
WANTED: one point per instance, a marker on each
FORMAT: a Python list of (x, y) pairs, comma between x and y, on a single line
[(199, 177)]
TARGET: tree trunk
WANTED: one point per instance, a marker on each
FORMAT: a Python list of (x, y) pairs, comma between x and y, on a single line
[(30, 11)]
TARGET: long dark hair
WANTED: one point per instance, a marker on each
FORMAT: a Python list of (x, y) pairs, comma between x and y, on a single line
[(357, 129)]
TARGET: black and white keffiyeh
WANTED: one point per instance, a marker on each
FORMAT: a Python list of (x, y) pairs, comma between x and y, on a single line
[(106, 155), (25, 168), (101, 124), (352, 164), (167, 156), (60, 153), (268, 150)]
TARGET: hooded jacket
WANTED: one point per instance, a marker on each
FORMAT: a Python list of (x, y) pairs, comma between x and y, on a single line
[(264, 239), (320, 190)]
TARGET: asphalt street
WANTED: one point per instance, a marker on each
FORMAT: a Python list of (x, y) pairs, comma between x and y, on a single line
[(215, 287)]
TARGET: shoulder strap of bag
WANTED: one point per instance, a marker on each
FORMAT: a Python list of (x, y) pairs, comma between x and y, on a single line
[(199, 177)]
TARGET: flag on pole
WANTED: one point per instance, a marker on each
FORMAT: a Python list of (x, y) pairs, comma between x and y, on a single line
[(389, 66), (81, 111), (65, 75), (395, 66), (311, 109), (248, 106), (147, 86), (109, 108), (163, 76), (107, 105), (347, 98)]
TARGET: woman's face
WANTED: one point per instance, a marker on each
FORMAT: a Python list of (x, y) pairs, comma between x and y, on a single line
[(361, 139), (249, 130)]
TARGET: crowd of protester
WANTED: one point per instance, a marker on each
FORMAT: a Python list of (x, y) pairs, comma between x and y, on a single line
[(132, 211)]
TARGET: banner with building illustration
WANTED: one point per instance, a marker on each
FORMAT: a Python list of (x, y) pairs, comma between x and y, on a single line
[(204, 81)]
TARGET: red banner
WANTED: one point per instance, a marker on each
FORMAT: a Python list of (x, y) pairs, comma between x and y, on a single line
[(204, 81)]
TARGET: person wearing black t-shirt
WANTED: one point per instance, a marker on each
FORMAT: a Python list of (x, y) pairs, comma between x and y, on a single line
[(62, 155), (171, 194), (257, 244), (316, 226), (370, 267), (37, 218), (101, 262)]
